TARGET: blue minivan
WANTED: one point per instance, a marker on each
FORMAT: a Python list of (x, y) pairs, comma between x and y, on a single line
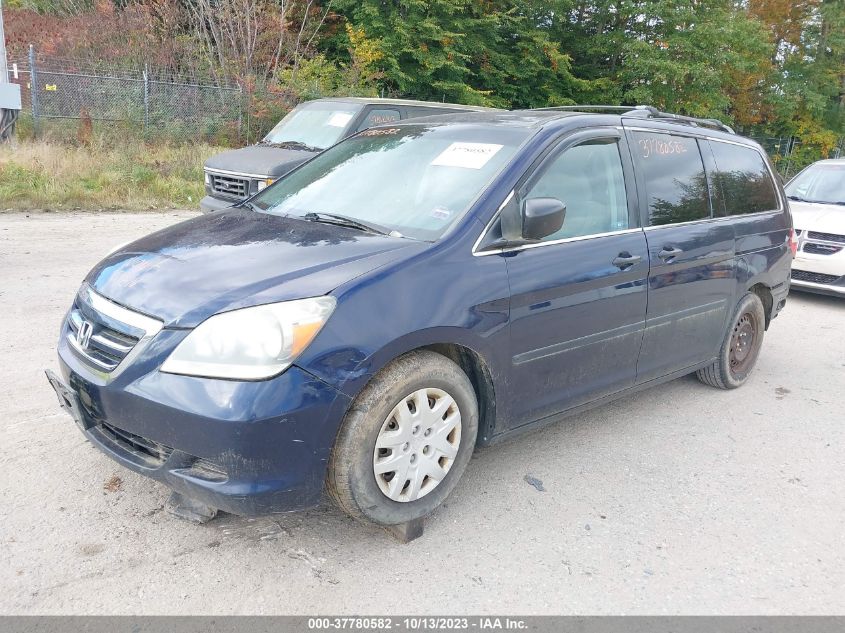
[(418, 290)]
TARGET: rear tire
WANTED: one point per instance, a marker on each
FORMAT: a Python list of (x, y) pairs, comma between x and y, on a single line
[(740, 347), (405, 440)]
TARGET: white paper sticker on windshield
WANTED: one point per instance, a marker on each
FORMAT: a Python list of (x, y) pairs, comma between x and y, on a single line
[(339, 119), (468, 155)]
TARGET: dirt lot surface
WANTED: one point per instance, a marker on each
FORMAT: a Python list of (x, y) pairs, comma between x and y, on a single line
[(682, 499)]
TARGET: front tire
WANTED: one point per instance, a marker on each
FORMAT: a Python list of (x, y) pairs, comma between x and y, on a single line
[(405, 440), (740, 347)]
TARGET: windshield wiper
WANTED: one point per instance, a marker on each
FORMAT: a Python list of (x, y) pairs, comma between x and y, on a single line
[(291, 145), (352, 223), (250, 205), (799, 199)]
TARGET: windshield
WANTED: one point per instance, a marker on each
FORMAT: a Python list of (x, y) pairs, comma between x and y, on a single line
[(414, 179), (317, 125), (819, 183)]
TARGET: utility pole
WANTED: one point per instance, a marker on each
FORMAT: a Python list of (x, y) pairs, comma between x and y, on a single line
[(10, 94), (4, 71)]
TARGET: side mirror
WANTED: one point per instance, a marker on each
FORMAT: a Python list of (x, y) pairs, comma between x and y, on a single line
[(542, 217)]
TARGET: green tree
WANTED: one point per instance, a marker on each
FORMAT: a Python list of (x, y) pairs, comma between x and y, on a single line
[(495, 52)]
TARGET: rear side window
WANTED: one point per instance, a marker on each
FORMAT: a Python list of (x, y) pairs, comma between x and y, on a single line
[(742, 180), (675, 183)]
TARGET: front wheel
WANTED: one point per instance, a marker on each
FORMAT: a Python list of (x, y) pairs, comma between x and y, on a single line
[(740, 347), (405, 440)]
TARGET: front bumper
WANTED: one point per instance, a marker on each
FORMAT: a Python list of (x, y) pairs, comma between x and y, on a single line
[(834, 289), (820, 273), (248, 448)]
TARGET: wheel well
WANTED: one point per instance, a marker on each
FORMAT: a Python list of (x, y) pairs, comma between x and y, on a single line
[(765, 295), (482, 382)]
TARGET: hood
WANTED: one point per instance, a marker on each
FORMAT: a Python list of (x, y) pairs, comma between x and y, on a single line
[(259, 160), (238, 258), (814, 216)]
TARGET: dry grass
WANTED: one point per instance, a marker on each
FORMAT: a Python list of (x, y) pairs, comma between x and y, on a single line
[(135, 176)]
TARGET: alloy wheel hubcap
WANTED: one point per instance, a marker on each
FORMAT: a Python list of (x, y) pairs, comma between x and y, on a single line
[(417, 444)]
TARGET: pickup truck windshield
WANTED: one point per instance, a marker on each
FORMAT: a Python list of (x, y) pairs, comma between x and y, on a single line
[(819, 183), (413, 179), (315, 125)]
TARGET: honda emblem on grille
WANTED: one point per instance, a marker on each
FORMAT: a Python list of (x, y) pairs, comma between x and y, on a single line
[(83, 334)]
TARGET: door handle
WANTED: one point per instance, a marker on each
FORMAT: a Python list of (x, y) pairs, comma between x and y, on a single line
[(669, 252), (625, 260)]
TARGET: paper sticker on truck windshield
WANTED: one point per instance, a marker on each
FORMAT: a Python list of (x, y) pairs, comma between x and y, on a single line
[(339, 119), (468, 155)]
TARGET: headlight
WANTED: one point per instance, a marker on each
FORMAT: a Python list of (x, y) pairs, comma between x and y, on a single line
[(207, 178), (263, 184), (250, 343)]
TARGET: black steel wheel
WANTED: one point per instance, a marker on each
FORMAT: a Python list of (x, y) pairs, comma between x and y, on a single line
[(740, 347)]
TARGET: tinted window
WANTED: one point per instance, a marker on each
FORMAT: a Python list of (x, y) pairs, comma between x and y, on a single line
[(379, 117), (588, 179), (675, 183), (742, 179)]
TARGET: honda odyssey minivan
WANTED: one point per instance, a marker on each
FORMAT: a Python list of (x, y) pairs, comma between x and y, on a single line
[(418, 290)]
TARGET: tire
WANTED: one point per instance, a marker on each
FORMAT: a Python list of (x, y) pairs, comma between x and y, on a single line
[(740, 347), (386, 411)]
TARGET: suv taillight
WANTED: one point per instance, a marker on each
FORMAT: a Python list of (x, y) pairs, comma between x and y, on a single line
[(793, 242)]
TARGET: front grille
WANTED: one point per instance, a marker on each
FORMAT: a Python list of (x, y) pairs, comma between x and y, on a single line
[(105, 347), (816, 278), (103, 334), (146, 450), (229, 186), (820, 249), (826, 237)]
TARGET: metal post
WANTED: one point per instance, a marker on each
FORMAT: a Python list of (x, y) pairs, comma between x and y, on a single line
[(33, 90), (240, 112), (790, 148), (146, 100), (4, 71)]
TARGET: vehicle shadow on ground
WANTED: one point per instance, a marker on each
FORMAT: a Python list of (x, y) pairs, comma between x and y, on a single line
[(326, 522)]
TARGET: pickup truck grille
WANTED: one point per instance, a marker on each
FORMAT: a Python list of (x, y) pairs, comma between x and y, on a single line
[(815, 278), (229, 186)]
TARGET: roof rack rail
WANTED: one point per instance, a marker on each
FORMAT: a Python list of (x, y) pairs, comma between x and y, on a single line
[(649, 112)]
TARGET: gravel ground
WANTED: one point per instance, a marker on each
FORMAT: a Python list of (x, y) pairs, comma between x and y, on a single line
[(682, 499)]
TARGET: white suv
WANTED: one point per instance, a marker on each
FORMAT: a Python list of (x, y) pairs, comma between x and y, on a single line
[(817, 200)]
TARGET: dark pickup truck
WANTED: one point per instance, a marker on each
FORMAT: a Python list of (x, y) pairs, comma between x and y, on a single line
[(307, 130)]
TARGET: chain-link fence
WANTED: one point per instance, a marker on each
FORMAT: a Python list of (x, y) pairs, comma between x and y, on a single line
[(61, 95)]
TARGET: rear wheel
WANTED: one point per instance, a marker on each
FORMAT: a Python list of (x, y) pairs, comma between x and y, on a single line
[(740, 347), (405, 441)]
